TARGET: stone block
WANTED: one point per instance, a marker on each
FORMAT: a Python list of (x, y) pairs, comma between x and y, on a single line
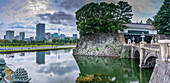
[(156, 69), (161, 72), (155, 79), (167, 72), (168, 81), (168, 67), (166, 77)]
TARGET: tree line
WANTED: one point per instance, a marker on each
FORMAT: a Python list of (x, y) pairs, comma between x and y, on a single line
[(103, 17), (15, 42)]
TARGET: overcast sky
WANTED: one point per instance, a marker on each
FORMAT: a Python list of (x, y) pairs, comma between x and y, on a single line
[(23, 15)]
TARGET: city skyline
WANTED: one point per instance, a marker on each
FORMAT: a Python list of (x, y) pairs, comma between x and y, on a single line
[(41, 35), (23, 15)]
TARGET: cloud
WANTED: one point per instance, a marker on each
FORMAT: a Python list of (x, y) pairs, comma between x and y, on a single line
[(23, 15), (58, 18), (72, 4)]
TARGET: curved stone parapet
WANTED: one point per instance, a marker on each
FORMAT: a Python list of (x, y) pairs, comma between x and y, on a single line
[(161, 72)]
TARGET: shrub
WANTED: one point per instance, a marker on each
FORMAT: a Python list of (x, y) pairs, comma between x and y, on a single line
[(119, 51), (97, 48), (106, 45), (125, 55)]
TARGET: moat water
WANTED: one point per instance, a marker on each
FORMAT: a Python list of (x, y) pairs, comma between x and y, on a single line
[(60, 66)]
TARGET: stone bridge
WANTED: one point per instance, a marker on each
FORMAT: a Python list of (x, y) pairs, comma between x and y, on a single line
[(147, 53)]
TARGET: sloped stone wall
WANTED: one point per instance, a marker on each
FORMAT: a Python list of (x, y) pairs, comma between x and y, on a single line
[(161, 72), (105, 44)]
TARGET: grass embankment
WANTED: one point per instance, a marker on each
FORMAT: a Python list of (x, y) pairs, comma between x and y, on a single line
[(35, 45), (31, 50), (28, 46), (8, 72)]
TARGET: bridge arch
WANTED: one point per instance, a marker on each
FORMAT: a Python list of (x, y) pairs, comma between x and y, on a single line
[(136, 53), (150, 59)]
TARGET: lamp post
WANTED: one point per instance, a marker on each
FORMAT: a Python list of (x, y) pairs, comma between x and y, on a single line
[(133, 39), (143, 36), (20, 76)]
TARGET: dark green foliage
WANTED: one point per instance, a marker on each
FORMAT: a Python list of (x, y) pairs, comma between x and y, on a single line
[(124, 11), (149, 21), (125, 55), (141, 22), (97, 48), (119, 51), (18, 41), (15, 42), (103, 17), (106, 45), (162, 18)]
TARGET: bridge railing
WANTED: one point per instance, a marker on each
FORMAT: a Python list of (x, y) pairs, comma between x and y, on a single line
[(165, 50), (155, 45)]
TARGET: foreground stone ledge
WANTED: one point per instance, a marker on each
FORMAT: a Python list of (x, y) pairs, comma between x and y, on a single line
[(161, 72)]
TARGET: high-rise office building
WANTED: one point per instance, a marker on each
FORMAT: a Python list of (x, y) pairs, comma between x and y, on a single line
[(47, 36), (10, 35), (22, 36), (16, 37), (59, 33), (40, 32), (4, 37), (62, 36), (74, 36), (55, 35)]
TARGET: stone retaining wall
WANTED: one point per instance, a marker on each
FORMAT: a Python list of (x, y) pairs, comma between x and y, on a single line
[(161, 72), (103, 44)]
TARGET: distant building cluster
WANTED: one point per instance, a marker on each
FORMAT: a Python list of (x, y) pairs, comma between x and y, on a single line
[(40, 35)]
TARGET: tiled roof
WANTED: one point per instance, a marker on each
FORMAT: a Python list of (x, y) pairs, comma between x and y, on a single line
[(141, 26)]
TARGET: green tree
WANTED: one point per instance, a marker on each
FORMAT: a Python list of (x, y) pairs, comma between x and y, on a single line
[(124, 11), (149, 21), (141, 22), (101, 18), (75, 40), (66, 40), (162, 18)]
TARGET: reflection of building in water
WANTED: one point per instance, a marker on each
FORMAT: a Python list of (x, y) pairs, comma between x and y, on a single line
[(10, 55), (67, 50), (40, 57), (47, 53), (22, 54)]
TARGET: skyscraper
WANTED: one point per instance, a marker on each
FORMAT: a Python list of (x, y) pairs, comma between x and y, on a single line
[(59, 33), (47, 36), (16, 37), (4, 37), (40, 32), (10, 35), (74, 36), (62, 36), (22, 35)]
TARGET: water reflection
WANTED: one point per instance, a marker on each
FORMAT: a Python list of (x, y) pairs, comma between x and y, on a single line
[(47, 53), (60, 66), (40, 57), (57, 67), (116, 70), (22, 54), (10, 55)]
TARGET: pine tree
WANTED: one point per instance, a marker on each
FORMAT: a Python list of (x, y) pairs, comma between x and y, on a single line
[(149, 21), (162, 19)]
